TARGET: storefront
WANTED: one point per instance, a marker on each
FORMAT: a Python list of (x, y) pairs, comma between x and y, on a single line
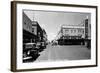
[(29, 37)]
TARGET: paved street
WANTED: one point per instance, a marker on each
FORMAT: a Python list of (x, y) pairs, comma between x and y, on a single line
[(68, 52)]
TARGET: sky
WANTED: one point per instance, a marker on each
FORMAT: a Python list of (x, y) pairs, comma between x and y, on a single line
[(51, 21)]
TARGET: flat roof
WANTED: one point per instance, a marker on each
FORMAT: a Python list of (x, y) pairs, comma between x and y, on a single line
[(73, 26)]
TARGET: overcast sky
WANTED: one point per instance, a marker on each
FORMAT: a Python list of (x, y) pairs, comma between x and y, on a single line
[(52, 21)]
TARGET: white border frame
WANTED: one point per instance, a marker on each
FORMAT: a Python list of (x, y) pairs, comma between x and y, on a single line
[(21, 65)]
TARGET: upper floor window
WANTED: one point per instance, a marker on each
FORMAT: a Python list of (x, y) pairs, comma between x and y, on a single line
[(32, 29), (72, 31), (25, 23), (66, 30)]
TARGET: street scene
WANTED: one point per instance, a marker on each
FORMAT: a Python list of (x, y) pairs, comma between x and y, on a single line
[(56, 36), (60, 53)]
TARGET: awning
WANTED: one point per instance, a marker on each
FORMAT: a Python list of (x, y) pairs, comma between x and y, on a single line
[(28, 34)]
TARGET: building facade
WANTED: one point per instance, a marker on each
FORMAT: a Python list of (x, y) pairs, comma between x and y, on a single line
[(45, 37), (74, 34), (32, 31), (32, 35), (27, 29)]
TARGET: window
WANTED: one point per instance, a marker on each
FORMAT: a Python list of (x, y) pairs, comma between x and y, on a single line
[(83, 31), (79, 30), (66, 30), (25, 23), (32, 29), (74, 31), (71, 31)]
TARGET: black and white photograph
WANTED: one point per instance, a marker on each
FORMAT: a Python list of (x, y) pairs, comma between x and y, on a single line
[(54, 36), (48, 36)]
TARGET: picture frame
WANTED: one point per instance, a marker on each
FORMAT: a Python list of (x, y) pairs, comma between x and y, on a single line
[(20, 38)]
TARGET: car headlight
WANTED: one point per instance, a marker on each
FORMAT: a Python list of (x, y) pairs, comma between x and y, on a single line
[(28, 52)]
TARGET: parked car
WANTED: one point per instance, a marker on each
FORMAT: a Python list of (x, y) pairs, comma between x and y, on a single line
[(29, 49), (39, 45), (43, 44)]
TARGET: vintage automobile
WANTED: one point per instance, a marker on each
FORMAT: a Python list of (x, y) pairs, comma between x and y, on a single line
[(30, 50), (41, 46), (54, 43)]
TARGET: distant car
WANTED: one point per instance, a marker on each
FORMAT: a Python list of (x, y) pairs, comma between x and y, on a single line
[(54, 43)]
